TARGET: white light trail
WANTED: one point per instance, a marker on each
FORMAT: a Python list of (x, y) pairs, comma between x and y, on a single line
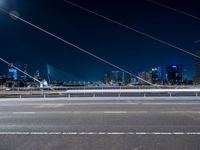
[(101, 133), (132, 91), (75, 46), (173, 9), (132, 29)]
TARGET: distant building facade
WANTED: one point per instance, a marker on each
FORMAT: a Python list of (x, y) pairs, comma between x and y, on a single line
[(174, 74), (13, 73), (146, 76), (157, 75), (116, 76), (106, 78)]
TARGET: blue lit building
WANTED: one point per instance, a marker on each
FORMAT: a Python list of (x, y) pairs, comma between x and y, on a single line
[(13, 73), (175, 74), (157, 75)]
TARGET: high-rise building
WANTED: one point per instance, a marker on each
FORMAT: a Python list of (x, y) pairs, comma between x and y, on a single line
[(197, 69), (147, 76), (22, 67), (13, 73), (24, 76), (116, 76), (157, 74), (175, 74), (106, 78)]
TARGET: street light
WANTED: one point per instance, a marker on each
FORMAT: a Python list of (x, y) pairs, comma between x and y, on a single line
[(14, 14), (1, 2)]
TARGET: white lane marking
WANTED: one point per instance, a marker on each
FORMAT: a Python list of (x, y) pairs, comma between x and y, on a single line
[(74, 112), (19, 113), (57, 105), (99, 133), (48, 105), (188, 98), (115, 112)]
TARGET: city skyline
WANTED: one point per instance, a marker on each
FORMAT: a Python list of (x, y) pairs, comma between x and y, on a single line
[(170, 74), (120, 46)]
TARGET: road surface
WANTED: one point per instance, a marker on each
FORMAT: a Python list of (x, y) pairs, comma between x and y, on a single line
[(100, 125)]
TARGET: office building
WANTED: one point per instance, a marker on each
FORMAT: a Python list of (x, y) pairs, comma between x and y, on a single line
[(12, 72), (116, 76), (147, 76), (157, 75), (174, 74), (106, 78)]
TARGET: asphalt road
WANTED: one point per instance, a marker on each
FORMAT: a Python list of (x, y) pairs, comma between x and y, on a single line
[(100, 125)]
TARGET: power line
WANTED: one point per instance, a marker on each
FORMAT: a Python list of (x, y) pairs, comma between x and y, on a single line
[(132, 29), (6, 62), (75, 46), (173, 9)]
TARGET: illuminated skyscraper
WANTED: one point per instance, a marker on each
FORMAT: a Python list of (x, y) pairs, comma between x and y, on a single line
[(175, 74), (157, 74), (13, 73)]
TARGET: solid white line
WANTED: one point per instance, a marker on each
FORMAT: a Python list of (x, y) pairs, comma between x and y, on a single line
[(74, 112), (117, 99), (57, 105), (99, 133)]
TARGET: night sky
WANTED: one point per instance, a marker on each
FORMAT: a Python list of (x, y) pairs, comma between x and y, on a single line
[(125, 48)]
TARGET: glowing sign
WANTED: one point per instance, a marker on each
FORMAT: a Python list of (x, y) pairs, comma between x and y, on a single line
[(174, 66)]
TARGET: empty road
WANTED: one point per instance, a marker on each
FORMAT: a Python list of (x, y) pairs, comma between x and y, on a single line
[(138, 124)]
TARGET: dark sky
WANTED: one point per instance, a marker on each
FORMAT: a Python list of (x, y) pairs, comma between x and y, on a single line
[(125, 48)]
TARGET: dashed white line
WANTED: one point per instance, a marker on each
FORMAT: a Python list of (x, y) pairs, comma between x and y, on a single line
[(115, 112), (25, 113), (99, 112), (57, 105)]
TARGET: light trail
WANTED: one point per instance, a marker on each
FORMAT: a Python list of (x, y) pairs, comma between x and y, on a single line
[(173, 9), (102, 133), (133, 29)]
